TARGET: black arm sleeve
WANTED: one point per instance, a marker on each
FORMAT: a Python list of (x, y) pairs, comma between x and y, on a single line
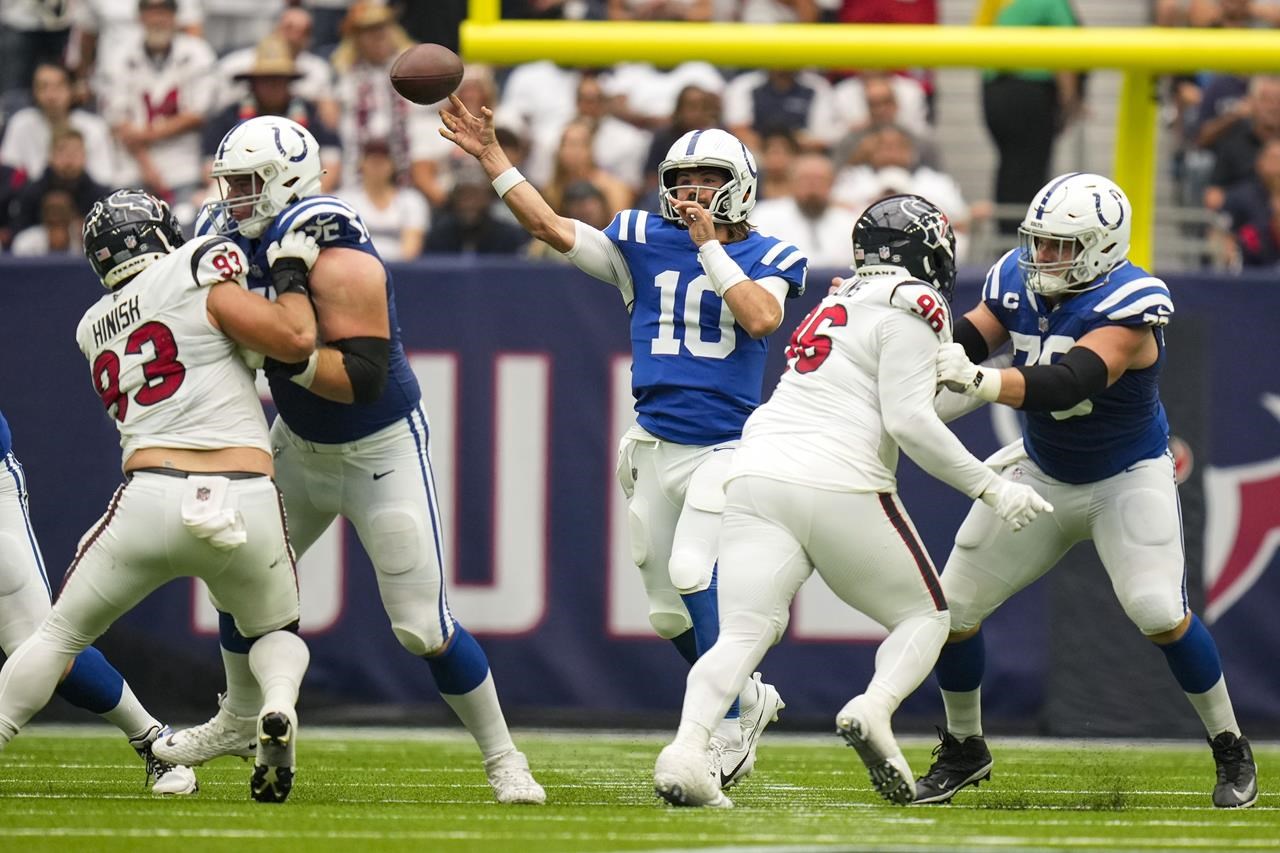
[(967, 335), (365, 360), (1077, 376)]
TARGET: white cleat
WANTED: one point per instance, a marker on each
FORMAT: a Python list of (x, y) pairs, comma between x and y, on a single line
[(172, 779), (866, 729), (689, 777), (225, 734), (277, 732), (738, 762), (512, 782)]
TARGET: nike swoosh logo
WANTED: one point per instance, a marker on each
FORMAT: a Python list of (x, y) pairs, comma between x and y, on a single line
[(383, 474), (169, 741), (725, 777)]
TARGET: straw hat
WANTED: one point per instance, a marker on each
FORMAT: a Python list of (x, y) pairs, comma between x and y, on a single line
[(271, 59), (365, 14)]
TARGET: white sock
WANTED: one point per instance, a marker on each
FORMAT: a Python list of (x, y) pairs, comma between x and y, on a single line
[(278, 661), (129, 716), (1214, 708), (964, 712), (730, 731), (906, 657), (481, 715), (750, 695), (718, 675), (243, 697), (693, 734)]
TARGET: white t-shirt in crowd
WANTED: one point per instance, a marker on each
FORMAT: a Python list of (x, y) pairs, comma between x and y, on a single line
[(408, 209), (27, 137)]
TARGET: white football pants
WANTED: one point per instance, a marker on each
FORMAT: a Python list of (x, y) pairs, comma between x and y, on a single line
[(1132, 517), (24, 586), (675, 495), (383, 485), (866, 549)]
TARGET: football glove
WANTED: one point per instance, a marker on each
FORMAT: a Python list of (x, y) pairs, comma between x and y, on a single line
[(295, 244), (957, 373), (1017, 504)]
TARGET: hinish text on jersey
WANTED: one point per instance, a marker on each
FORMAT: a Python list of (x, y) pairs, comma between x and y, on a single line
[(120, 317)]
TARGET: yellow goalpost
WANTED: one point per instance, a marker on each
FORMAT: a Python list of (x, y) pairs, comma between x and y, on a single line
[(1140, 53)]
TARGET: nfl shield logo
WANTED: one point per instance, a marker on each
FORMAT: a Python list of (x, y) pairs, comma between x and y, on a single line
[(131, 241), (1044, 324), (202, 493)]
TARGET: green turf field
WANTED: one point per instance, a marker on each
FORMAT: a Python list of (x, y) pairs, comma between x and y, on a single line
[(360, 791)]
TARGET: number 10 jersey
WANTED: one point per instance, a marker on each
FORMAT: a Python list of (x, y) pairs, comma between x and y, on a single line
[(165, 373)]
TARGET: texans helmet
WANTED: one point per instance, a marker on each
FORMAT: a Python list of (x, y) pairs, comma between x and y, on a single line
[(910, 232), (125, 232)]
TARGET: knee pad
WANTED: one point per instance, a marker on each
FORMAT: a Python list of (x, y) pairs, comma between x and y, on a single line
[(691, 567), (1153, 608), (746, 624), (638, 527), (18, 565), (418, 633), (668, 624), (961, 593), (397, 541)]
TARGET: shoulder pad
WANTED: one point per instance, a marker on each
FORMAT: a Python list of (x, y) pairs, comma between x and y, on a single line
[(330, 221), (219, 259), (925, 302), (1142, 302)]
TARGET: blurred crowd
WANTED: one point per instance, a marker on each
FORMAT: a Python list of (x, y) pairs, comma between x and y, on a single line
[(99, 94)]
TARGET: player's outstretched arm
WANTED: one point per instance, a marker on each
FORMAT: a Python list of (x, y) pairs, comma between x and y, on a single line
[(475, 135), (284, 329)]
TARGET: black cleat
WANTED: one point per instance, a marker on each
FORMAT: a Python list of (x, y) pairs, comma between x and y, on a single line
[(957, 764), (273, 764), (1237, 786)]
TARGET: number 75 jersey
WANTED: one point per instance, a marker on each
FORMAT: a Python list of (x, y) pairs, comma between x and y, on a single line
[(166, 375), (695, 373)]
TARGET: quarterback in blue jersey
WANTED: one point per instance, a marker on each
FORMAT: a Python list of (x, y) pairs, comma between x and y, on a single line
[(1087, 333), (90, 682), (703, 289), (351, 440)]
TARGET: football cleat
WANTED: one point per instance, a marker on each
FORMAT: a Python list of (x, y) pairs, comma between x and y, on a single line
[(225, 734), (686, 776), (738, 762), (866, 729), (170, 778), (273, 764), (1237, 786), (958, 763), (512, 781)]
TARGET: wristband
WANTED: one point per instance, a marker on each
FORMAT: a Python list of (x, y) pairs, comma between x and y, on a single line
[(723, 271), (986, 384), (289, 275), (505, 182)]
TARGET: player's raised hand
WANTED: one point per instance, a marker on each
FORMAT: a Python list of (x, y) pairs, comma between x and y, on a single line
[(1017, 504), (472, 133), (958, 374), (295, 244), (702, 227)]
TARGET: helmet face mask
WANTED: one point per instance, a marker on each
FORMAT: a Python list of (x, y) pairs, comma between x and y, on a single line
[(263, 165), (907, 231), (710, 149), (125, 232), (1076, 230)]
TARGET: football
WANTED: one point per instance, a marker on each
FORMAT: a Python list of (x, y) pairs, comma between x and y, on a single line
[(426, 73)]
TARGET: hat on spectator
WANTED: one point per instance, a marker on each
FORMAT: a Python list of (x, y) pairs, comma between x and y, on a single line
[(364, 14), (143, 5), (271, 59)]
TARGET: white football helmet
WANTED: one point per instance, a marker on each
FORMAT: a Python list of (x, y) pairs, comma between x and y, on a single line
[(712, 149), (284, 159), (1077, 229)]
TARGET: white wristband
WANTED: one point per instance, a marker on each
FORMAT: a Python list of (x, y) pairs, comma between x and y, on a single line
[(308, 375), (986, 384), (505, 182), (723, 270)]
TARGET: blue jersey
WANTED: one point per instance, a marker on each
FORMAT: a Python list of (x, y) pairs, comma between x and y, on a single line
[(1124, 424), (695, 373), (6, 440), (334, 224)]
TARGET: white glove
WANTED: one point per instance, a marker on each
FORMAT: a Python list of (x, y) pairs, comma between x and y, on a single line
[(1017, 504), (253, 360), (958, 374), (295, 244)]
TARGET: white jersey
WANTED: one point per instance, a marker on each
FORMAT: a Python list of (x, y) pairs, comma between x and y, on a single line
[(860, 379), (136, 89), (166, 374)]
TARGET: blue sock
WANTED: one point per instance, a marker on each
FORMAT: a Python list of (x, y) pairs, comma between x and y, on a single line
[(463, 667), (230, 637), (960, 665), (687, 645), (704, 610), (1193, 658), (92, 684)]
